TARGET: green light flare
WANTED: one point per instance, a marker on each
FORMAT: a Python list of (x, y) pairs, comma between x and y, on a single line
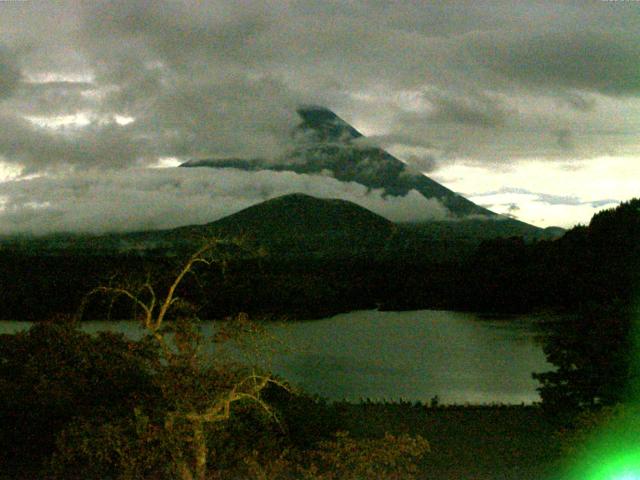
[(613, 453), (625, 476), (616, 467)]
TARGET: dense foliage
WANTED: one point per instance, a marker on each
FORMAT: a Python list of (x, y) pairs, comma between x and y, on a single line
[(593, 353), (53, 374), (598, 263), (595, 350), (73, 405)]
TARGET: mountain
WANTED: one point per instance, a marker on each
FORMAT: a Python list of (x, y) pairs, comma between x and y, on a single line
[(301, 225), (326, 143), (323, 144)]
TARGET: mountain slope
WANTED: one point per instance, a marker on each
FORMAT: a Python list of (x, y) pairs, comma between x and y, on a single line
[(324, 142)]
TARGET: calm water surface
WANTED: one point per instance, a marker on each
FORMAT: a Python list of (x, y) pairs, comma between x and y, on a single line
[(412, 355)]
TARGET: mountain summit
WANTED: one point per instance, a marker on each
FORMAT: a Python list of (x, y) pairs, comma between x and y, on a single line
[(324, 142), (322, 125)]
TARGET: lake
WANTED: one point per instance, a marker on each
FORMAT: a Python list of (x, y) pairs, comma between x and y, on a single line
[(414, 356)]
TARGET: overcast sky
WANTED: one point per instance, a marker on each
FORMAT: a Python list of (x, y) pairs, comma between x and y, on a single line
[(529, 108)]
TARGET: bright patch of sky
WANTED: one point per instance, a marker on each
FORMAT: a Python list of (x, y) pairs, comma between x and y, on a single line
[(81, 119), (9, 171), (123, 119), (547, 193), (50, 77), (167, 162), (77, 120)]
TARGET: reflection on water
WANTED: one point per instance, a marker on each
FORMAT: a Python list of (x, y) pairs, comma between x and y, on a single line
[(415, 356), (400, 355)]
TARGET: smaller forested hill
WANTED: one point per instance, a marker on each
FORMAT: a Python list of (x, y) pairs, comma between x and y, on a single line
[(302, 225)]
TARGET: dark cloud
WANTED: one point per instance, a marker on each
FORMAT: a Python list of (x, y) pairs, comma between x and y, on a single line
[(241, 117), (478, 110), (10, 75), (53, 98), (565, 140), (39, 149), (175, 32), (578, 101), (423, 163), (583, 59)]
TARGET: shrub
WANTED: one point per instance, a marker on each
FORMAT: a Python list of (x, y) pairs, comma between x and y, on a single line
[(54, 373)]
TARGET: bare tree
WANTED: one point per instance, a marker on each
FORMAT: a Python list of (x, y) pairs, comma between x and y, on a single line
[(202, 393)]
